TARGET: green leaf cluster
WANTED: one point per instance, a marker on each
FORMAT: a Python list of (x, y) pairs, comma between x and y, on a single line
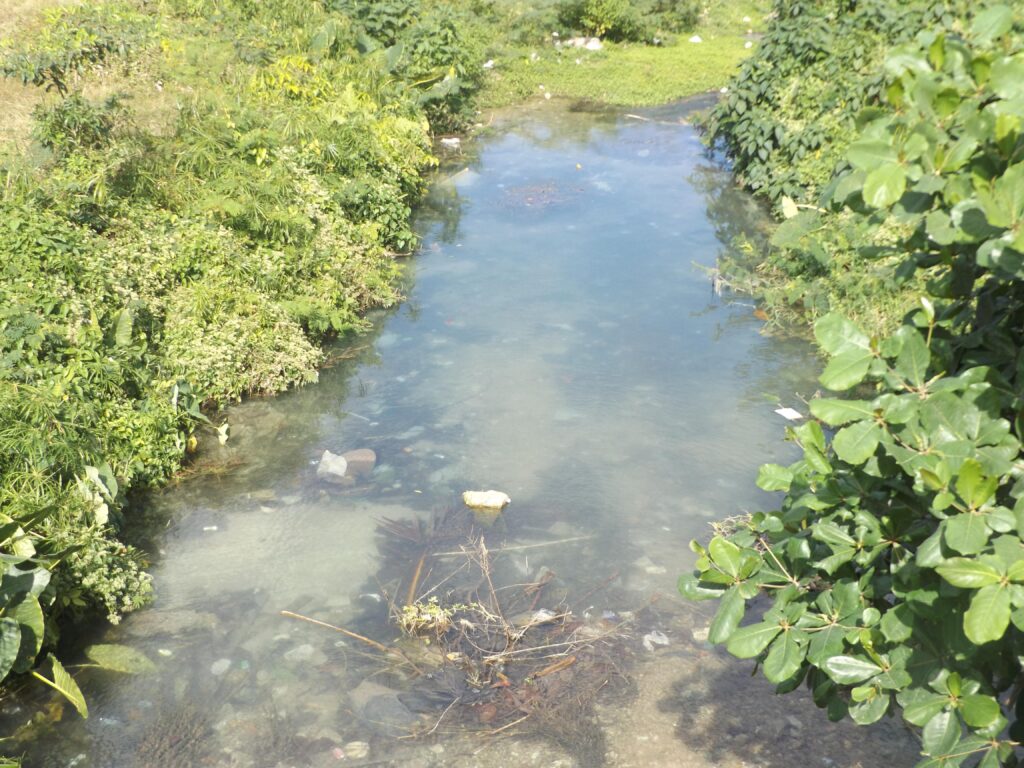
[(895, 564)]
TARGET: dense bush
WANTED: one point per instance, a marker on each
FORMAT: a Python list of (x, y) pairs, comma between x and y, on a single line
[(893, 573), (150, 273), (617, 20)]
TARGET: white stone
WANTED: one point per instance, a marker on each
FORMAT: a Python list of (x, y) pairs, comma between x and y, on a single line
[(219, 667), (300, 653), (332, 467), (489, 64), (593, 44), (452, 143), (654, 638), (748, 44), (356, 750), (486, 499), (696, 39)]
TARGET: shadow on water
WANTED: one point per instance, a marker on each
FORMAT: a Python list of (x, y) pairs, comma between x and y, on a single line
[(730, 716)]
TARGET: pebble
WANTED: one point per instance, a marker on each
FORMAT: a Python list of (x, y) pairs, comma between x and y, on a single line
[(653, 638), (300, 653), (332, 467), (700, 634), (357, 749), (219, 667)]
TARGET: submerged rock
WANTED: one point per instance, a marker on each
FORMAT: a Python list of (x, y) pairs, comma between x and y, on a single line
[(356, 750), (381, 710), (495, 500), (332, 467), (360, 461), (157, 623)]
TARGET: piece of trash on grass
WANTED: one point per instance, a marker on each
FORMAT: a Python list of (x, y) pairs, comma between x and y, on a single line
[(654, 638), (209, 527), (789, 413)]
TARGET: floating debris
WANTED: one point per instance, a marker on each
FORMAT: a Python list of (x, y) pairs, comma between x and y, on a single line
[(789, 413)]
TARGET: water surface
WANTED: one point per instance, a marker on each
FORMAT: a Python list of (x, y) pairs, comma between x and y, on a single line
[(560, 343)]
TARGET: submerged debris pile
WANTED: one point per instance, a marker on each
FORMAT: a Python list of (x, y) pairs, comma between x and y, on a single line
[(474, 646)]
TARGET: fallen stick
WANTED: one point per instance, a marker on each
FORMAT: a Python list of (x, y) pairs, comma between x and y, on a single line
[(347, 633), (410, 596), (519, 547), (507, 726)]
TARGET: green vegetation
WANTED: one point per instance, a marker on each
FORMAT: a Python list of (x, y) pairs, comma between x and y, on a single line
[(211, 189), (786, 123), (625, 72), (893, 571)]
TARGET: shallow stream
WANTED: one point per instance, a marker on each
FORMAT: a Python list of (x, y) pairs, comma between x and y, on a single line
[(562, 343)]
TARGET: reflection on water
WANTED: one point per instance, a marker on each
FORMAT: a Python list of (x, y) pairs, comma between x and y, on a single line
[(559, 344)]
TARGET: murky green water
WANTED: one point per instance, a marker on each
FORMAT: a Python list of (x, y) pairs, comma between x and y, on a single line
[(561, 344)]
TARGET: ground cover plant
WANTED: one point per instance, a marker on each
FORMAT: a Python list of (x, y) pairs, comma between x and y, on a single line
[(646, 56), (891, 578)]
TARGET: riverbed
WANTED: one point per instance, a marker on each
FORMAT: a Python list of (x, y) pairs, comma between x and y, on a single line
[(562, 342)]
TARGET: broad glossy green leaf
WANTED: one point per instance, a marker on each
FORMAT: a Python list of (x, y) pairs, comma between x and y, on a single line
[(65, 684), (857, 442), (1016, 571), (835, 334), (973, 486), (992, 23), (941, 734), (836, 413), (966, 533), (774, 477), (725, 555), (898, 623), (884, 186), (869, 154), (26, 611), (728, 617), (914, 357), (989, 615), (872, 709), (923, 706), (784, 658), (846, 370), (850, 669), (825, 643), (747, 642), (691, 588), (10, 640), (123, 331), (968, 573), (979, 710), (1007, 76)]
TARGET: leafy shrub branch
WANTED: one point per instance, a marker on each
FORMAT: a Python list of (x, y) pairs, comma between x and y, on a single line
[(891, 579)]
